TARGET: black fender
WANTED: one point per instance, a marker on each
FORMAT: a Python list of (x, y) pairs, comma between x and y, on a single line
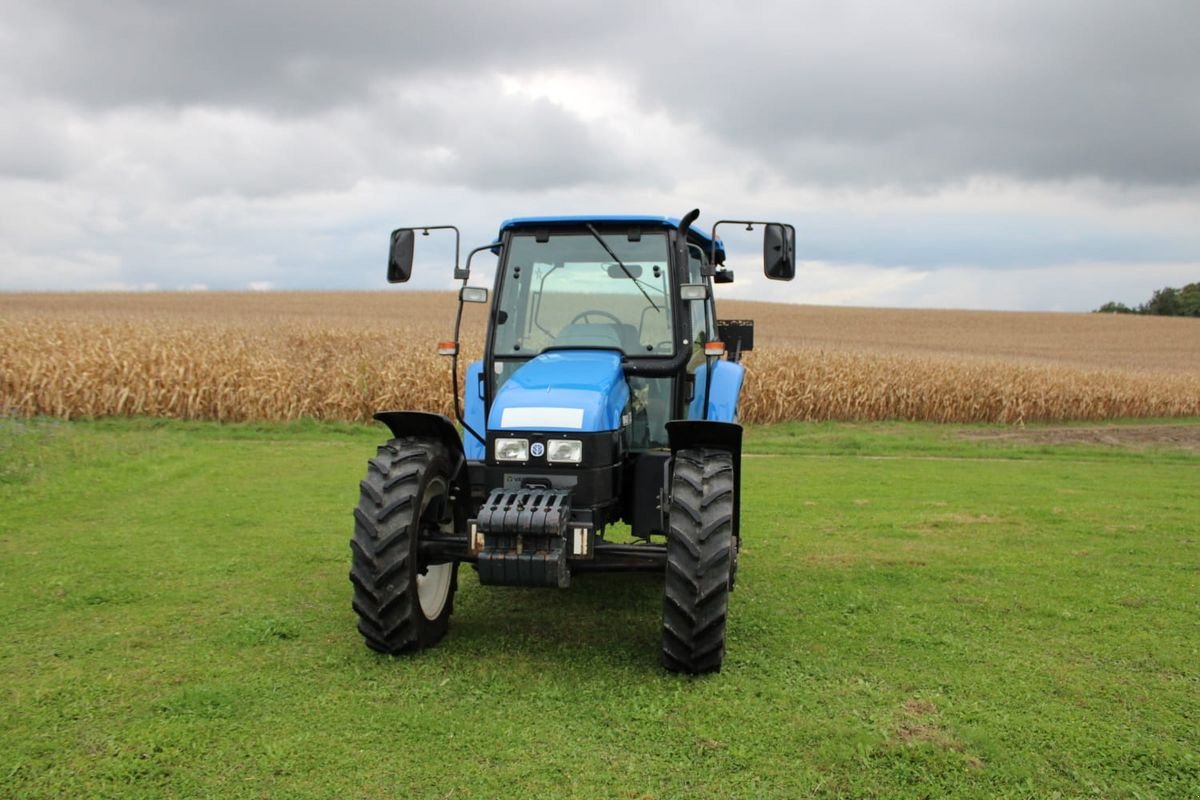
[(683, 434), (424, 425)]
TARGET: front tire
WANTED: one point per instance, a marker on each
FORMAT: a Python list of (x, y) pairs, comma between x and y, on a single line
[(403, 605), (700, 559)]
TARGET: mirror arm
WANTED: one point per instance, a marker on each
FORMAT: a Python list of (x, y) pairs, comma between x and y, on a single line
[(454, 375), (459, 274), (749, 223), (464, 274)]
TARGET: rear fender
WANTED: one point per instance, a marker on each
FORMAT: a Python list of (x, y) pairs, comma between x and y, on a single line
[(694, 433)]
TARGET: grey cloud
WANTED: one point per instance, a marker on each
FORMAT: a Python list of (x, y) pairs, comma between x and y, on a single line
[(181, 142), (291, 57), (468, 136), (992, 241), (923, 94), (33, 143), (860, 93), (530, 145)]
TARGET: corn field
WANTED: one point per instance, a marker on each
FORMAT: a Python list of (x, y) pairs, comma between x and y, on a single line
[(344, 356)]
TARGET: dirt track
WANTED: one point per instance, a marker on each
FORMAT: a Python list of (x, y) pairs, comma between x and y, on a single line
[(1186, 437)]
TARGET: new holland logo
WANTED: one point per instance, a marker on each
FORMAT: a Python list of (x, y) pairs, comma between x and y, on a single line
[(537, 449)]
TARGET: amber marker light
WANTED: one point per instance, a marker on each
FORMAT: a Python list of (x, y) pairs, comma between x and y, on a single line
[(447, 348)]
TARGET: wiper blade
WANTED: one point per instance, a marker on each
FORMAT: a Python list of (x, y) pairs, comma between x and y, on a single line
[(625, 269)]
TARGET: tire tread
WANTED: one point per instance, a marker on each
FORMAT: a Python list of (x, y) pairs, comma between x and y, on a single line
[(382, 571), (699, 560)]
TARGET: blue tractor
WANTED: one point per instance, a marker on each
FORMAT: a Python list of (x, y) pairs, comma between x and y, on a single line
[(607, 394)]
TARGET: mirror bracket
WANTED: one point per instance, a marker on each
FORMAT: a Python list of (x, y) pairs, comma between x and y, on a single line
[(465, 273)]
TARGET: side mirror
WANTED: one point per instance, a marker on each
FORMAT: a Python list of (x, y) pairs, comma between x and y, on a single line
[(779, 252), (473, 294), (400, 256)]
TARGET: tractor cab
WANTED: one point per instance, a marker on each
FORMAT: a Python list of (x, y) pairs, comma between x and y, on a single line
[(607, 284), (606, 397)]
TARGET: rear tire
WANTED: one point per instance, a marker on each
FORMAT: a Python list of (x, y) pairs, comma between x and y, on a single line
[(700, 559), (402, 604)]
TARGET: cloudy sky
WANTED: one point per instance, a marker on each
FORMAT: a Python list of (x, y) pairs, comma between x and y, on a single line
[(1008, 155)]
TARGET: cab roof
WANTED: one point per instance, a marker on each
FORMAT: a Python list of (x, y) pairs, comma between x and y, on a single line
[(695, 235)]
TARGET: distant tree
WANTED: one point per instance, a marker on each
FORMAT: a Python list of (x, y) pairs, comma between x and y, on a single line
[(1189, 300), (1166, 302)]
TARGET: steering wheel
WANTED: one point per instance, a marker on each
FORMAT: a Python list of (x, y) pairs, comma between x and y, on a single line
[(583, 316)]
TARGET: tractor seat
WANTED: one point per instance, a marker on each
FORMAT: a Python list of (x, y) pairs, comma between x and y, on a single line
[(630, 341), (596, 334)]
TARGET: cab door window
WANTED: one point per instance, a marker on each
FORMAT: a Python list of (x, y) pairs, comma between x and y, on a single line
[(700, 312)]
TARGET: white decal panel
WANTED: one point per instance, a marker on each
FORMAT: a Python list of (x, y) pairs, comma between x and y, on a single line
[(533, 418)]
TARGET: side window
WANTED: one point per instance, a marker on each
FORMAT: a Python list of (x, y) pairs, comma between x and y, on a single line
[(698, 311)]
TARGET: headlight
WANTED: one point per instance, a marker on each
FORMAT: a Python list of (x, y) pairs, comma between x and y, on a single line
[(564, 451), (512, 449)]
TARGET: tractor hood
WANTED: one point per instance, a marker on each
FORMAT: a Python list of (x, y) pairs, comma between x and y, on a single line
[(563, 390)]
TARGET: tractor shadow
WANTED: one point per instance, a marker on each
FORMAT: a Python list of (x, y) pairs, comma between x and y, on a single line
[(610, 619)]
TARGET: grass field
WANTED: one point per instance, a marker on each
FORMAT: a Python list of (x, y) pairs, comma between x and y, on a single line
[(922, 611), (343, 356)]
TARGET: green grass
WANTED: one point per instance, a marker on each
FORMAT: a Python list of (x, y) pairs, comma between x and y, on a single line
[(917, 615)]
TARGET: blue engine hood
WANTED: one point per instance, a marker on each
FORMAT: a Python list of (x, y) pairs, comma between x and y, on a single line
[(563, 390)]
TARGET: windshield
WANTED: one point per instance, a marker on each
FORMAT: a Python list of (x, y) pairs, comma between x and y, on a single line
[(570, 291)]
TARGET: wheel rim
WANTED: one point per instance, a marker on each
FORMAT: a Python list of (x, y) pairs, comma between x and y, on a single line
[(433, 588), (433, 581)]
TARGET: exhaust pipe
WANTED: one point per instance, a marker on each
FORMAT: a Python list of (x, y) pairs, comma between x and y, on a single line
[(688, 219)]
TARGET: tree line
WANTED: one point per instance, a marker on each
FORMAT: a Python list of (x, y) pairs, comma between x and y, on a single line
[(1166, 302)]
